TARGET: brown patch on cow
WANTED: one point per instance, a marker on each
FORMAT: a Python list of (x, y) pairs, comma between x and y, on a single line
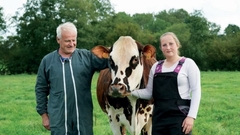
[(110, 118), (133, 63), (144, 132), (140, 48), (149, 109), (128, 71), (141, 111), (124, 103), (113, 66), (118, 117), (137, 86), (121, 72), (117, 80), (145, 117), (104, 80), (125, 80), (148, 50), (101, 51)]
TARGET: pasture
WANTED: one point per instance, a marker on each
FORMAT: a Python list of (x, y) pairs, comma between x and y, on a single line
[(219, 112)]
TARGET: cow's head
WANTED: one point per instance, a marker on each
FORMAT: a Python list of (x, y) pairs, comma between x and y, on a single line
[(125, 62)]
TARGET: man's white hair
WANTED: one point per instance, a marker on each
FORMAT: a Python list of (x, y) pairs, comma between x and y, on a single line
[(67, 26)]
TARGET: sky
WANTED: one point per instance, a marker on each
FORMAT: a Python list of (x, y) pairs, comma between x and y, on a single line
[(221, 12)]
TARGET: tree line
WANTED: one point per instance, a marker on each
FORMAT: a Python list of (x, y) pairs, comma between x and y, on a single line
[(99, 24)]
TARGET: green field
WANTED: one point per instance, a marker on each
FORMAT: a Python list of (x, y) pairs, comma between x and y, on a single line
[(219, 112)]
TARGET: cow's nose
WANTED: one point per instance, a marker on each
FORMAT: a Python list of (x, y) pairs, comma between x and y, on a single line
[(117, 87), (116, 90)]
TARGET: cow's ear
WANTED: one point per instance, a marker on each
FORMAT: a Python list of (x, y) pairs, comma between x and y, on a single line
[(101, 51), (149, 51), (140, 46)]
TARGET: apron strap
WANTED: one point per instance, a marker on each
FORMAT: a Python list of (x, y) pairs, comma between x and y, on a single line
[(179, 66), (176, 70)]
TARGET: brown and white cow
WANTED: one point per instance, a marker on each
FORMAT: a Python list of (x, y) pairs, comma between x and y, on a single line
[(129, 66)]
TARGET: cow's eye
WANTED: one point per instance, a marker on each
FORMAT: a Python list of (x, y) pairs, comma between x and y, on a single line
[(135, 60)]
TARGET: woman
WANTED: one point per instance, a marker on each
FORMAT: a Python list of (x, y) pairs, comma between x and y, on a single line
[(174, 84)]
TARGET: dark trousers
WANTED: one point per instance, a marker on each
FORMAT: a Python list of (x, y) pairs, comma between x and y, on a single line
[(169, 126)]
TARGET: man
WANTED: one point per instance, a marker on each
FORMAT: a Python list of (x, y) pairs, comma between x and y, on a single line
[(63, 85)]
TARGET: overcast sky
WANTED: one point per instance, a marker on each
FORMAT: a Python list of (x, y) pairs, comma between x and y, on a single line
[(221, 12)]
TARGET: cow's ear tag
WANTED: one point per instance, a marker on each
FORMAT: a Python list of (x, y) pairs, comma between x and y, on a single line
[(105, 55), (147, 55)]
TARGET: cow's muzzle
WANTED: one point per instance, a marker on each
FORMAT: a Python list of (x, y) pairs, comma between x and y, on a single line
[(117, 90)]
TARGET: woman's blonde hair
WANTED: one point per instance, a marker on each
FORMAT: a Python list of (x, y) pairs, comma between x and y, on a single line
[(174, 37)]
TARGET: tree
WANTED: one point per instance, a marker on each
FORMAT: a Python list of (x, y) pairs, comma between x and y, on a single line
[(223, 53), (199, 37), (2, 48), (120, 24), (173, 16), (87, 15), (231, 29), (36, 28), (2, 21), (144, 20)]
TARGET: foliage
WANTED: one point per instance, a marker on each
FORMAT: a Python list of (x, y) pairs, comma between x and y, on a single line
[(231, 30), (224, 53), (199, 34), (98, 24), (36, 29), (2, 21)]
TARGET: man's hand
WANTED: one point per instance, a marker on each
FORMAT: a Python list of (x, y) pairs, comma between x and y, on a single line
[(45, 121)]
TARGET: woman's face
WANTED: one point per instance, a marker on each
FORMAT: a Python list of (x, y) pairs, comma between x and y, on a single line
[(169, 46)]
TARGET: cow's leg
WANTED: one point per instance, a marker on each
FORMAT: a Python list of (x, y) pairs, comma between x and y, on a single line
[(116, 128), (147, 129), (114, 122), (144, 119)]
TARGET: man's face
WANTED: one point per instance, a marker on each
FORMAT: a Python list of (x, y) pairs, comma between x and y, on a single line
[(68, 43)]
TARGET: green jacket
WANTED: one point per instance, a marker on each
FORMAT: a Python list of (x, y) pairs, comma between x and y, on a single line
[(63, 89)]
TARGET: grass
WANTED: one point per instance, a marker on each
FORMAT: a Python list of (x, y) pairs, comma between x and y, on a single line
[(17, 104), (219, 112)]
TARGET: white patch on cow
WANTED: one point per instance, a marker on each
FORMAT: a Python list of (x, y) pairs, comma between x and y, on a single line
[(137, 122), (123, 50)]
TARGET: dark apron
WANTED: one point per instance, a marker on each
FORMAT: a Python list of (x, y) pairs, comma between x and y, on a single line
[(169, 109)]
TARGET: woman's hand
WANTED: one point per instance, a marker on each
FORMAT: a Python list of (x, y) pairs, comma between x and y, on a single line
[(127, 94), (188, 124)]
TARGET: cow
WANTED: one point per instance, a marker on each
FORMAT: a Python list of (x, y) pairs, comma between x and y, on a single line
[(129, 66)]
